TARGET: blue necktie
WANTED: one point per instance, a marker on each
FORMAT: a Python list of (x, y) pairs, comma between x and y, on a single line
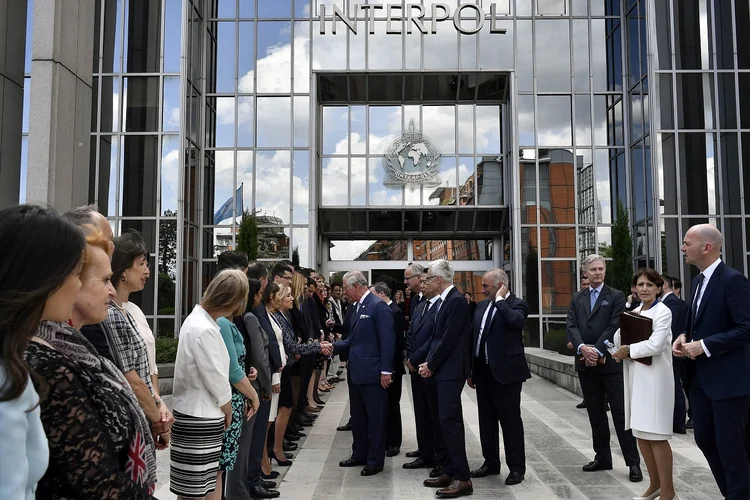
[(594, 296)]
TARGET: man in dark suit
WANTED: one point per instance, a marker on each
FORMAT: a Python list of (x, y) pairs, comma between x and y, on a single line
[(717, 343), (679, 367), (448, 363), (394, 429), (432, 450), (472, 304), (498, 372), (593, 317), (370, 345), (412, 279)]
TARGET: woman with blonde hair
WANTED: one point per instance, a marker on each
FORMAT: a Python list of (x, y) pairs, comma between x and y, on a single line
[(202, 394)]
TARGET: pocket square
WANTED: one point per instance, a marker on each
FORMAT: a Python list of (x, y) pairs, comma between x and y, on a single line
[(363, 316), (605, 303)]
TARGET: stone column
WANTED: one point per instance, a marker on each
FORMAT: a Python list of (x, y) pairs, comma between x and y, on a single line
[(60, 114), (12, 56)]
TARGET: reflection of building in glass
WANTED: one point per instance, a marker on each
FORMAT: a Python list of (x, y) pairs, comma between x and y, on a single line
[(169, 106)]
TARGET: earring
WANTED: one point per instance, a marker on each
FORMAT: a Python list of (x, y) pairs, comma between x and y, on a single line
[(123, 279)]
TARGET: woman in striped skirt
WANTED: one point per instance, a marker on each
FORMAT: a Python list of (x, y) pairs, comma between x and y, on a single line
[(202, 395)]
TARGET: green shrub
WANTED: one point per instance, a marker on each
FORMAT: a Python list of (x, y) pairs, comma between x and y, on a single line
[(555, 340), (166, 350)]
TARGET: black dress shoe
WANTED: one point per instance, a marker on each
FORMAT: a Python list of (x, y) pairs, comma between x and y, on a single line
[(273, 475), (484, 471), (371, 470), (259, 491), (581, 405), (350, 462), (436, 471), (689, 424), (596, 465), (289, 446), (346, 427), (679, 429), (268, 484), (419, 463), (292, 437), (392, 451), (514, 478), (412, 454), (442, 481), (636, 476), (288, 455)]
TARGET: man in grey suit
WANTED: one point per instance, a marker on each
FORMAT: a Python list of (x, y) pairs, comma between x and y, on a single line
[(594, 317)]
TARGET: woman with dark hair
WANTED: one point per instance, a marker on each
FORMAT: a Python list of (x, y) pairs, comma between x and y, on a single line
[(128, 344), (100, 442), (38, 281), (649, 389)]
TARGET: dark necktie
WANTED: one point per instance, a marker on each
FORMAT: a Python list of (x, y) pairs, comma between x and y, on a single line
[(695, 302)]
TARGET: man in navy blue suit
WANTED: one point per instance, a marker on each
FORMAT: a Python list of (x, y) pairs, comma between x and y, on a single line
[(448, 363), (370, 345), (412, 279), (717, 342), (679, 314), (498, 372)]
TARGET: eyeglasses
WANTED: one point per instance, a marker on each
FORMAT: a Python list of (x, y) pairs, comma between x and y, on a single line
[(407, 278)]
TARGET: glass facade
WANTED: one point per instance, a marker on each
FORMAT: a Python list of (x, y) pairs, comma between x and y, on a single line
[(548, 115)]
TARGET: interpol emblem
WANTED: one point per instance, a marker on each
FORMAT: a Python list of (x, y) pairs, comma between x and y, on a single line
[(412, 160)]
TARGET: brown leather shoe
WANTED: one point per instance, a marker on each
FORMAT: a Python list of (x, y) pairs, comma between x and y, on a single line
[(311, 409), (443, 481), (456, 489)]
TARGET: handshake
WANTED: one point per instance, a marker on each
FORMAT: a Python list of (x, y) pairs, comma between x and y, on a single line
[(326, 348)]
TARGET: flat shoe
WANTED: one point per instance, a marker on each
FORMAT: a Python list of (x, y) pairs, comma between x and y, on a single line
[(652, 496)]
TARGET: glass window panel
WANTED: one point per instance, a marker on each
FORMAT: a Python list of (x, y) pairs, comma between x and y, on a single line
[(413, 50), (600, 59), (489, 177), (108, 155), (526, 120), (24, 168), (453, 250), (141, 104), (601, 121), (523, 8), (169, 173), (225, 52), (639, 183), (695, 92), (648, 177), (496, 50), (666, 108), (274, 122), (301, 121), (329, 50), (142, 47), (27, 106), (358, 180), (697, 173), (223, 177), (301, 59), (272, 196), (274, 63), (441, 49), (742, 22), (357, 130), (349, 249), (559, 283), (525, 66), (413, 197), (245, 121), (634, 67), (744, 90), (300, 244), (167, 265), (445, 193), (488, 130), (693, 42), (273, 242), (301, 187), (583, 120), (335, 131), (224, 121), (139, 176), (618, 124), (636, 115), (380, 194), (603, 189), (727, 102), (246, 58), (227, 8), (335, 182), (530, 278), (746, 168), (555, 127), (439, 124), (245, 177), (171, 118), (552, 55), (551, 7), (466, 192), (465, 129), (385, 49), (301, 8), (580, 7), (581, 54), (278, 9), (172, 35), (385, 125), (557, 186)]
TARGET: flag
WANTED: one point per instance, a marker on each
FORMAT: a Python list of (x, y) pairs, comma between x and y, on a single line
[(225, 212)]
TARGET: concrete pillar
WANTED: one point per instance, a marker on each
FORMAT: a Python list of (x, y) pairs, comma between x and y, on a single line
[(60, 114), (12, 51)]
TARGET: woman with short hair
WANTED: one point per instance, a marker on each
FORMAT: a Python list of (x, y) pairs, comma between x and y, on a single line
[(202, 394), (100, 442)]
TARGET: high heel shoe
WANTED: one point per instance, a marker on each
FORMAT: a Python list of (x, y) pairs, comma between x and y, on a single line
[(652, 496), (282, 463), (273, 475)]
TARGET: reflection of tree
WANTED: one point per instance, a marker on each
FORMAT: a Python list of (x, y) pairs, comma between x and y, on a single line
[(295, 257), (247, 237), (620, 273), (605, 250), (167, 263), (532, 279)]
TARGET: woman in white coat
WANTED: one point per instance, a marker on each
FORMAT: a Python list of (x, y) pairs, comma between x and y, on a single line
[(649, 389)]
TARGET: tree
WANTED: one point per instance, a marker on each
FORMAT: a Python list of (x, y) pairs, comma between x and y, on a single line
[(620, 272), (295, 257), (247, 237)]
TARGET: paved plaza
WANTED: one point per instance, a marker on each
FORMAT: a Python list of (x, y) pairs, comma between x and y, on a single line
[(558, 443)]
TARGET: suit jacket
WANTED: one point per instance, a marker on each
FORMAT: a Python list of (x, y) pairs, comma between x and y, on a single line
[(413, 303), (585, 326), (370, 343), (723, 323), (679, 314), (274, 353), (256, 343), (448, 357), (398, 331), (346, 326), (503, 335), (419, 336)]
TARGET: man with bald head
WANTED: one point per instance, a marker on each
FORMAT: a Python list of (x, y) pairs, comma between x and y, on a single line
[(717, 343)]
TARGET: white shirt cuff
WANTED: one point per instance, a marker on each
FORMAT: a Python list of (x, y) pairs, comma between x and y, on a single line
[(385, 373), (578, 351), (276, 379), (703, 344)]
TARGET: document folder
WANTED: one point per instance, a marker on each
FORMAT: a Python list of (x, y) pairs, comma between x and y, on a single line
[(636, 328)]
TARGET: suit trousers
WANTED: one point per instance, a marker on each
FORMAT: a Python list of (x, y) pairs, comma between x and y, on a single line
[(237, 479), (721, 433), (333, 366), (499, 402), (394, 429), (438, 440), (452, 424), (369, 403), (422, 418), (680, 405), (598, 389)]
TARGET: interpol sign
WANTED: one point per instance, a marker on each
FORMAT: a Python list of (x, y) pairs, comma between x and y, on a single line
[(414, 15)]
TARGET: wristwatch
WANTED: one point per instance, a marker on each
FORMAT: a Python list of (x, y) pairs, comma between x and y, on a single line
[(158, 401), (627, 350)]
